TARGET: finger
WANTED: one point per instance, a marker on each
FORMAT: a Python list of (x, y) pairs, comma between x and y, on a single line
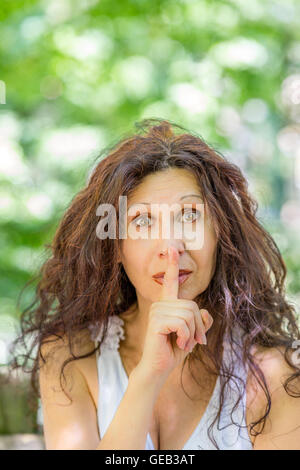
[(171, 281), (188, 316), (203, 320), (175, 325), (200, 329), (207, 319)]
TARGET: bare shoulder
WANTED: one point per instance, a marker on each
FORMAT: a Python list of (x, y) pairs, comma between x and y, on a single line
[(80, 342), (275, 368), (59, 347), (70, 419), (273, 364), (284, 412)]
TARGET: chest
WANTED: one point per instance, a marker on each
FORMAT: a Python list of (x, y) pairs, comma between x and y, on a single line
[(177, 410), (177, 413)]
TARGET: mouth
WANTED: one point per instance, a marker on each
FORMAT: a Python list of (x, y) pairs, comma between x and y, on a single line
[(184, 274)]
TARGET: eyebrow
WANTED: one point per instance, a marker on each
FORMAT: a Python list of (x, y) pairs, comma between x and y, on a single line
[(183, 197)]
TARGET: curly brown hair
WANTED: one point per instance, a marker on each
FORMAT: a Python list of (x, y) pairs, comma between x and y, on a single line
[(82, 282)]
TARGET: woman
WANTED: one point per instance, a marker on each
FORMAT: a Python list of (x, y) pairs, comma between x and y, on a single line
[(163, 344)]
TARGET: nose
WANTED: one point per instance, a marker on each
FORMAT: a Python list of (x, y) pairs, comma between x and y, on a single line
[(179, 247)]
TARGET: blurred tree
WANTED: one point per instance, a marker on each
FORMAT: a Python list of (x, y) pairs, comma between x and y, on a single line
[(78, 74)]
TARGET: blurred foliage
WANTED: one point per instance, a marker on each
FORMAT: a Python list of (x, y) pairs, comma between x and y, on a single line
[(15, 414), (77, 74)]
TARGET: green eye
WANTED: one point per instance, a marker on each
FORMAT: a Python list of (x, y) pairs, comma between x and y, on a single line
[(141, 221), (141, 218), (191, 214)]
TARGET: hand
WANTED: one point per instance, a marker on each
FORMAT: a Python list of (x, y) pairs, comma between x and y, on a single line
[(168, 318)]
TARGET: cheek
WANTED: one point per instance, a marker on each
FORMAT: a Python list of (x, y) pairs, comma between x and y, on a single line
[(206, 256), (133, 258)]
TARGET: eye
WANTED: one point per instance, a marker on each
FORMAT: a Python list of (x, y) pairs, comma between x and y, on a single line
[(140, 218), (191, 213)]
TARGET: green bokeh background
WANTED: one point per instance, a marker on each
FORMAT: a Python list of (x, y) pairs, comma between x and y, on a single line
[(75, 75)]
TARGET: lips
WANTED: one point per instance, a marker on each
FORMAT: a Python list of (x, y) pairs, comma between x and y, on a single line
[(183, 276), (161, 274)]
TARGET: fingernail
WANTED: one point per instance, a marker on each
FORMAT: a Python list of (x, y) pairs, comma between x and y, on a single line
[(204, 340)]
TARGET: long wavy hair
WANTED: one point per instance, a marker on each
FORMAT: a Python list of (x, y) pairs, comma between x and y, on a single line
[(82, 284)]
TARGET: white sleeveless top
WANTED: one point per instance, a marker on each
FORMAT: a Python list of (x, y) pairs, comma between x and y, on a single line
[(113, 382)]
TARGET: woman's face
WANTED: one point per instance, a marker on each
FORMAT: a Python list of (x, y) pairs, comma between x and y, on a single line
[(144, 257)]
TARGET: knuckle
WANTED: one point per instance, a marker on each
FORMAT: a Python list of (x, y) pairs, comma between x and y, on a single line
[(208, 319), (184, 328), (194, 304), (189, 315), (183, 323)]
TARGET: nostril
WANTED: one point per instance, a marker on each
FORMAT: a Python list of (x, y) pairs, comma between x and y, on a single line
[(163, 253)]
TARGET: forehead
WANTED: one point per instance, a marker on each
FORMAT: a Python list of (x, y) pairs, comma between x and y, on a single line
[(165, 185)]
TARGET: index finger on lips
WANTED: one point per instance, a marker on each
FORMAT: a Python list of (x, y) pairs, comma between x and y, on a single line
[(171, 281)]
